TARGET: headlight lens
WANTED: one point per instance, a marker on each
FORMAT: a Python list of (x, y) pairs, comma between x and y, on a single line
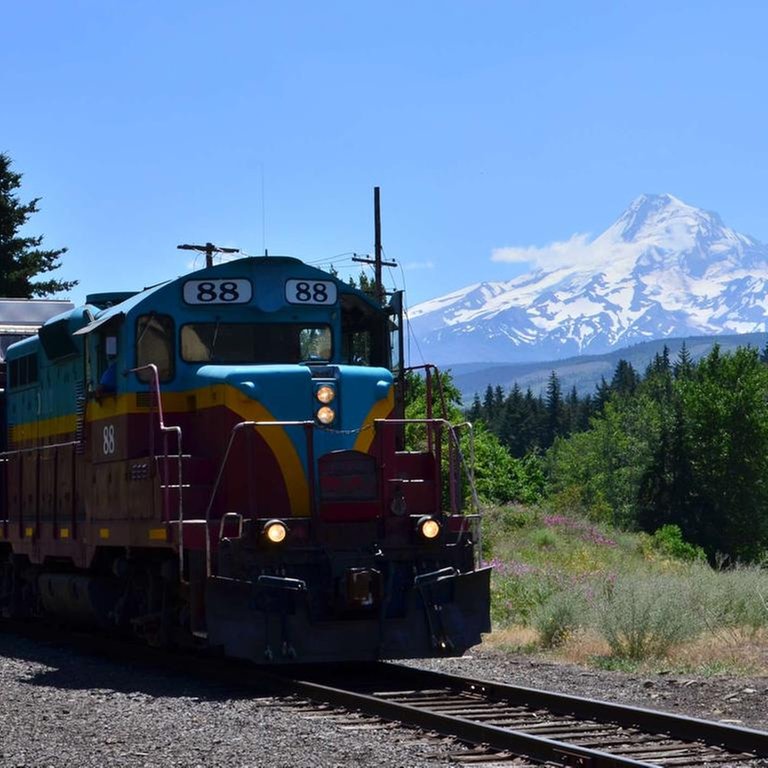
[(275, 531), (325, 394), (429, 528), (326, 415)]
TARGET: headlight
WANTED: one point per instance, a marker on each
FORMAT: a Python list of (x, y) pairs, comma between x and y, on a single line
[(429, 528), (326, 415), (325, 394), (275, 531)]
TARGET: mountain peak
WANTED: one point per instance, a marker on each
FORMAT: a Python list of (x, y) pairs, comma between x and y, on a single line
[(663, 268), (650, 216)]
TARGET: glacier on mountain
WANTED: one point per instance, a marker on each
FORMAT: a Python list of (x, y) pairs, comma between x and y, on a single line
[(663, 268)]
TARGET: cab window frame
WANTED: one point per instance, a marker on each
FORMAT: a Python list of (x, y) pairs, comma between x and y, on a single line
[(257, 328), (170, 335)]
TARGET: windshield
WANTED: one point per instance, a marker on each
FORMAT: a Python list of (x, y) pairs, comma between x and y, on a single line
[(255, 343)]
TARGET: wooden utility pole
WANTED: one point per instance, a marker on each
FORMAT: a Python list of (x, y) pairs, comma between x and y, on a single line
[(377, 244), (208, 249), (378, 283)]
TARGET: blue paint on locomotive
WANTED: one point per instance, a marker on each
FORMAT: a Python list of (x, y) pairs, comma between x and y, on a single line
[(286, 391)]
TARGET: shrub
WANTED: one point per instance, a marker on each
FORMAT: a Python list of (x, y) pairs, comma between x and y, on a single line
[(545, 539), (559, 617), (516, 595), (668, 540), (732, 599), (642, 616)]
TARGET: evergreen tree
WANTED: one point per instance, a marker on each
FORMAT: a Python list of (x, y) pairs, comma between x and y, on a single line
[(21, 258), (513, 425), (683, 367), (667, 492), (602, 396), (572, 412), (660, 365), (489, 405), (554, 410), (625, 379), (475, 412), (498, 401)]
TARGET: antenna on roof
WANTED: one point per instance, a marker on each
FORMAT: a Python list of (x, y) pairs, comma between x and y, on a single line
[(208, 249)]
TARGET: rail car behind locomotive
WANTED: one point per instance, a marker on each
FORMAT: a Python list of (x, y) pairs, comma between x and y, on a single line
[(219, 459)]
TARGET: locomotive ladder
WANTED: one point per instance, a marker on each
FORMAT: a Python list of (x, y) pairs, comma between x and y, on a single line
[(456, 458), (167, 457)]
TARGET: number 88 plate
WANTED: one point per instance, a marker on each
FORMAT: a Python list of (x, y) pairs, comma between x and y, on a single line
[(310, 292), (226, 291)]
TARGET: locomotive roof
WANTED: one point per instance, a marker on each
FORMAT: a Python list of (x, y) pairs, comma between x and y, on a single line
[(105, 306), (102, 316)]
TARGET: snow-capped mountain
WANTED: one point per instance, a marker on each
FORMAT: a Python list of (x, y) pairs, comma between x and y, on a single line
[(663, 268)]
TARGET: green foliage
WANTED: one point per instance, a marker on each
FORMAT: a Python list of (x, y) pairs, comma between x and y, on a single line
[(499, 477), (668, 540), (726, 411), (558, 617), (602, 468), (731, 599), (562, 574), (545, 539), (688, 447), (21, 258), (645, 617), (514, 600)]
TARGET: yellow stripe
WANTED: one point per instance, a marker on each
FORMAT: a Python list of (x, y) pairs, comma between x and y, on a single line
[(63, 533), (291, 466), (380, 410), (103, 533), (29, 533), (158, 534), (276, 438), (60, 425)]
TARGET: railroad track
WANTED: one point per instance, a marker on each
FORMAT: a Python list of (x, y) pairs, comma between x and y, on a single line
[(512, 721), (502, 722)]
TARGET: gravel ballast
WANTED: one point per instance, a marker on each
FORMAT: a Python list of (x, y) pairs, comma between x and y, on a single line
[(736, 700), (61, 707)]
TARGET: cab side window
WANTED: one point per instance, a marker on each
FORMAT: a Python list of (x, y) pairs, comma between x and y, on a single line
[(363, 339), (155, 344)]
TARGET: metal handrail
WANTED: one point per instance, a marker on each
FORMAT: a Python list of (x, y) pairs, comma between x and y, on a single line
[(7, 454), (308, 428), (468, 469), (166, 430)]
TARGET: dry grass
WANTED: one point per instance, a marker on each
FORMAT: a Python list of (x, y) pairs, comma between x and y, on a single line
[(744, 652), (514, 638), (732, 652), (582, 648)]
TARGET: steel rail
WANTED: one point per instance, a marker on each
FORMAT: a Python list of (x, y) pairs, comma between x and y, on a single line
[(499, 738), (363, 691), (435, 711), (731, 737)]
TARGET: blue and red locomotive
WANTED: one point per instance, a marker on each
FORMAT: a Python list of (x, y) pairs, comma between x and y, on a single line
[(220, 459)]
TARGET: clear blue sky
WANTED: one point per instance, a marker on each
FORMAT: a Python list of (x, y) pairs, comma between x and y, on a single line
[(486, 124)]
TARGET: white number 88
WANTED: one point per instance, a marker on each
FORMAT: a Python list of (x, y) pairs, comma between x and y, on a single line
[(108, 446)]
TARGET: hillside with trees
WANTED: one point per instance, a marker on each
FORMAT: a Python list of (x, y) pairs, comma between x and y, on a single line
[(682, 443)]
